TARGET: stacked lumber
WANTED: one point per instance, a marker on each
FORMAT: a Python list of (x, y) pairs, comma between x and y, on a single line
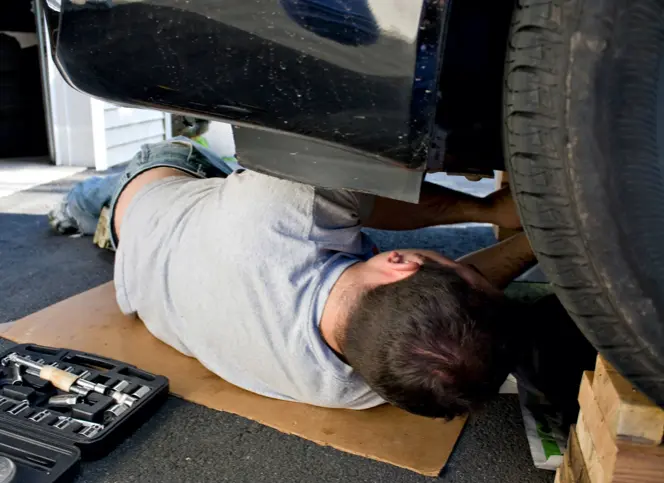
[(618, 435)]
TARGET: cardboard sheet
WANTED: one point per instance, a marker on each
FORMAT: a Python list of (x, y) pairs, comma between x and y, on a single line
[(93, 323)]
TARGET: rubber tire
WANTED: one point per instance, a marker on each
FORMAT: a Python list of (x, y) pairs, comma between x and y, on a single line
[(584, 98)]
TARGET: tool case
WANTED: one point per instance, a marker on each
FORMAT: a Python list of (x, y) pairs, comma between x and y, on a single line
[(46, 442)]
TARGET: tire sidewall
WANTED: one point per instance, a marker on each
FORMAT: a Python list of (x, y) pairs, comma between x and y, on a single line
[(599, 46), (564, 151)]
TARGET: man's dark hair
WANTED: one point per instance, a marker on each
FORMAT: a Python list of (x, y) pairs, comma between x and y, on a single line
[(432, 344)]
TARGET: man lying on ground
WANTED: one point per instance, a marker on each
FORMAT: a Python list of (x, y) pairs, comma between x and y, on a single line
[(273, 286)]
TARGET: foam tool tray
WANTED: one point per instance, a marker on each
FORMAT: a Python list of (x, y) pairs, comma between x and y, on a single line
[(46, 437)]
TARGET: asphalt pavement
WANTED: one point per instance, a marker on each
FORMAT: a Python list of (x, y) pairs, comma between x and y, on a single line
[(185, 442)]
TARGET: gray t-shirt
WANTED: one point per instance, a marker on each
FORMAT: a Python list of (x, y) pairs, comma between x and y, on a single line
[(236, 273)]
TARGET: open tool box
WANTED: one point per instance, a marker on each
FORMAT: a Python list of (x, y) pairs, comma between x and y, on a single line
[(58, 406)]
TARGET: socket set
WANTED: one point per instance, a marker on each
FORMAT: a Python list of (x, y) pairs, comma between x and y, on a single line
[(58, 406)]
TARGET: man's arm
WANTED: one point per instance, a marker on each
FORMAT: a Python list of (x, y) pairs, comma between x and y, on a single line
[(443, 206), (503, 262)]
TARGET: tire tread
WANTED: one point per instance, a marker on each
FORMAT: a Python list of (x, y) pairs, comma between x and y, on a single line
[(536, 158)]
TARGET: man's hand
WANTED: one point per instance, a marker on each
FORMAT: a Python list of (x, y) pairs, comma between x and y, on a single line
[(503, 209)]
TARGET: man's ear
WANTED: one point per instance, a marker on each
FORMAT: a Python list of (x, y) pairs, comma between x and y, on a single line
[(404, 264)]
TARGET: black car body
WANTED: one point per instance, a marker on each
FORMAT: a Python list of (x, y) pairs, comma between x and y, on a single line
[(365, 95)]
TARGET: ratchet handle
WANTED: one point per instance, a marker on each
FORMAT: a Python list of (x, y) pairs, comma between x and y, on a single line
[(59, 378)]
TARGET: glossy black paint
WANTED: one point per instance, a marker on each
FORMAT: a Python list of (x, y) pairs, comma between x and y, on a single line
[(325, 69), (394, 87)]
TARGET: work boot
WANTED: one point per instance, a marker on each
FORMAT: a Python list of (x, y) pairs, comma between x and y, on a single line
[(102, 236)]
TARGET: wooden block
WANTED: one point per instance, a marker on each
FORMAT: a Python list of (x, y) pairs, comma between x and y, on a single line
[(608, 461), (575, 463), (637, 463), (628, 413), (566, 474), (634, 464), (592, 422), (573, 468), (587, 447)]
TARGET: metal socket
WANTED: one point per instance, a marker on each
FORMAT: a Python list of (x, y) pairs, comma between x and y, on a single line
[(141, 392), (121, 386), (117, 410), (91, 386), (122, 398), (79, 390), (16, 374), (63, 400)]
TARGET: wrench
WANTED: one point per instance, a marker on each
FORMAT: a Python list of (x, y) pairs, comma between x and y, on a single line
[(62, 379)]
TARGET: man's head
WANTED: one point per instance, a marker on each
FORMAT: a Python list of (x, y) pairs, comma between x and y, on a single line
[(429, 335)]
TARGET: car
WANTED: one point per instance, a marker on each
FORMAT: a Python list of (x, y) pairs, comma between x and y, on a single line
[(370, 95)]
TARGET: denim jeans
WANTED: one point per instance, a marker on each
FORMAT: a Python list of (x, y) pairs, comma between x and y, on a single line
[(86, 200)]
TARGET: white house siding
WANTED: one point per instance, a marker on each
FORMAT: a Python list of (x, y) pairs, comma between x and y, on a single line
[(126, 130)]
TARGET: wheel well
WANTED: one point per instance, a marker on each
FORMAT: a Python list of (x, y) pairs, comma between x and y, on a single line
[(469, 109)]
